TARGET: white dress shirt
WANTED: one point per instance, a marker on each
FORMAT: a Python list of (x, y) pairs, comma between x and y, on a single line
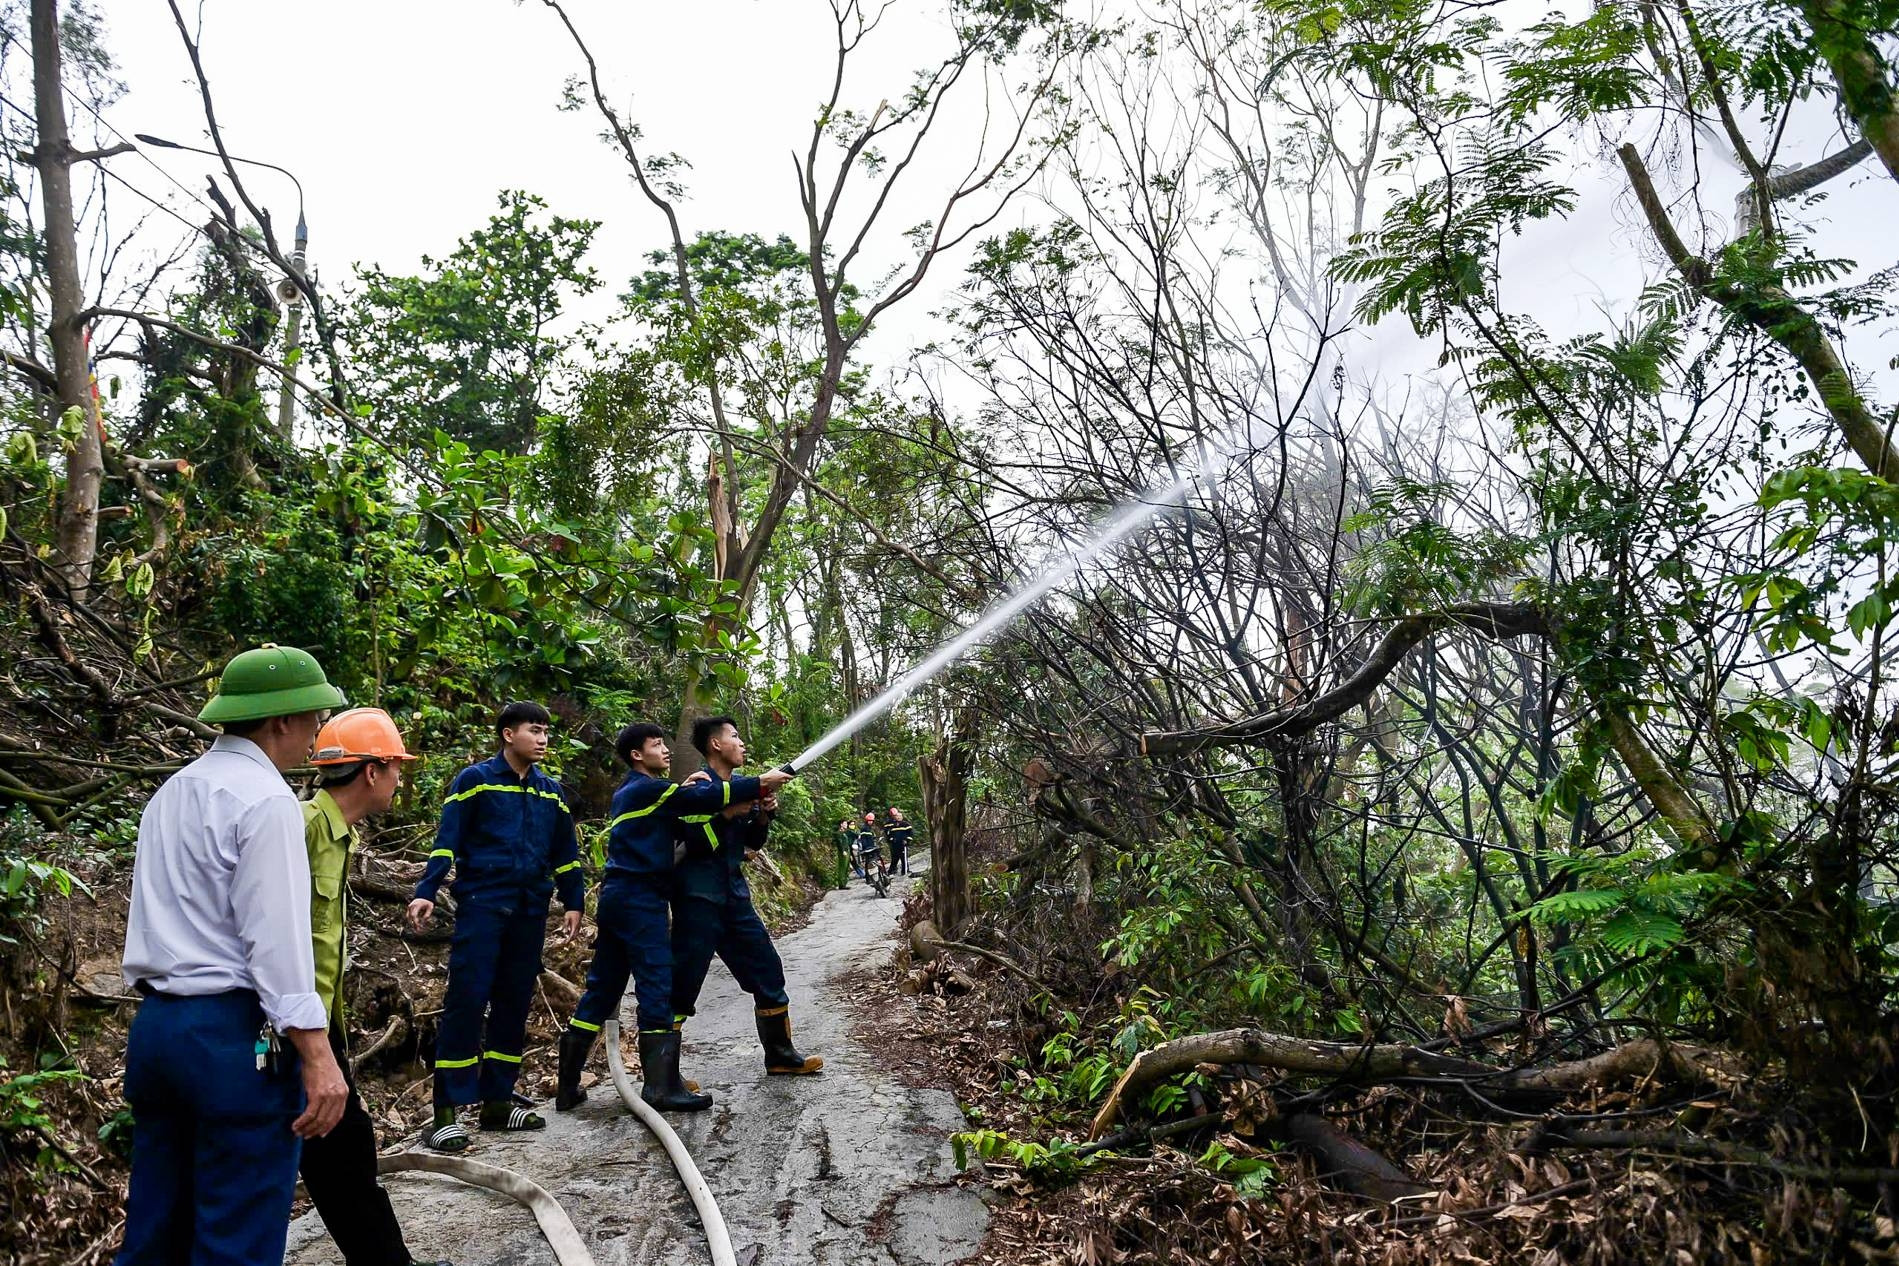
[(221, 887)]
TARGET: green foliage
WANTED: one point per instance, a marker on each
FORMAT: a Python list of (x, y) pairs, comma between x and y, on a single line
[(1836, 525), (1053, 1161), (1251, 1176), (468, 347), (115, 1134), (1431, 257), (24, 878), (23, 1107), (1085, 1075), (1639, 907), (1413, 563), (282, 586)]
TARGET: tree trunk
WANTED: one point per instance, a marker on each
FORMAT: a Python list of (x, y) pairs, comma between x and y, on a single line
[(1774, 312), (78, 525), (1864, 79), (944, 778)]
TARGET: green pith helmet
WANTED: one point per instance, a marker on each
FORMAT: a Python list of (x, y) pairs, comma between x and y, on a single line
[(271, 681)]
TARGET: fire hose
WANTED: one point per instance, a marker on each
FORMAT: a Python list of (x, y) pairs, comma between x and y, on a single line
[(569, 1248), (556, 1226), (718, 1239)]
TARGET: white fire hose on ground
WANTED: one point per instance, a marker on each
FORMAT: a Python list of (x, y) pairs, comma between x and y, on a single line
[(718, 1239), (562, 1237)]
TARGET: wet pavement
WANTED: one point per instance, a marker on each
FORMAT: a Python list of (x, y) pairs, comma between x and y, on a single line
[(844, 1168)]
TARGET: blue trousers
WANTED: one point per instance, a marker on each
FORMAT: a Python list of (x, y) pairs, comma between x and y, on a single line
[(493, 963), (719, 918), (633, 941), (214, 1164)]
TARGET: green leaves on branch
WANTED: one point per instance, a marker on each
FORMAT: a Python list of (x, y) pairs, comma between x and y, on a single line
[(1414, 562), (466, 346), (1831, 559), (1431, 257)]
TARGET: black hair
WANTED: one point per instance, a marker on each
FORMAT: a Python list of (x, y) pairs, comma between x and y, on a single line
[(343, 775), (633, 737), (705, 729), (243, 729), (519, 713)]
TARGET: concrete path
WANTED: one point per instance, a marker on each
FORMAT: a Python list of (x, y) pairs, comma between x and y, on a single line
[(846, 1168)]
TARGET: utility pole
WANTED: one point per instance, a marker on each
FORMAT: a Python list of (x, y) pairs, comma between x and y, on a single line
[(292, 293), (77, 533)]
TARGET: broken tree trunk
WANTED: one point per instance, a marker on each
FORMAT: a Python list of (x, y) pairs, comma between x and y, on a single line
[(927, 945), (944, 778)]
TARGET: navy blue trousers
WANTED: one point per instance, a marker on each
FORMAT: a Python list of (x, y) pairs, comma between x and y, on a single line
[(633, 941), (214, 1164), (493, 963), (719, 919)]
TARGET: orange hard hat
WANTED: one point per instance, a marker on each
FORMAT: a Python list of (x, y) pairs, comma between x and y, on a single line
[(359, 734)]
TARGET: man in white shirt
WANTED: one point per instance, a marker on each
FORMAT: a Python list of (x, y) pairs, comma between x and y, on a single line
[(218, 942)]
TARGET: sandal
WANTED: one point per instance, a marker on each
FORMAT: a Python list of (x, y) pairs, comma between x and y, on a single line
[(447, 1138), (509, 1116)]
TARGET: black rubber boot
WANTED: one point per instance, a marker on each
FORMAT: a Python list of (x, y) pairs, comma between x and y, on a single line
[(575, 1045), (679, 1025), (781, 1057), (659, 1065)]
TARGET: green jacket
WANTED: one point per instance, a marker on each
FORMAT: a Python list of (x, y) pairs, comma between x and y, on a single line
[(330, 841)]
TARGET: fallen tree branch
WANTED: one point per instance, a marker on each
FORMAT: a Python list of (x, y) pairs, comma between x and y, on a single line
[(566, 988), (1359, 1169), (1632, 1062), (55, 641), (377, 890), (47, 1137), (1007, 964), (395, 1031), (44, 807), (1149, 1134), (188, 721)]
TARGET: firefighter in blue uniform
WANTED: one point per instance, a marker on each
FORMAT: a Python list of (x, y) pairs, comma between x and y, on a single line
[(631, 915), (897, 835), (712, 905), (509, 835)]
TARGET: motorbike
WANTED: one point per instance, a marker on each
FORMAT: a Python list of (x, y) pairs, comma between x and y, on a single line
[(876, 871)]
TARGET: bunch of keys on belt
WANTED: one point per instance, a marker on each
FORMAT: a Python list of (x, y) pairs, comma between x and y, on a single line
[(267, 1048)]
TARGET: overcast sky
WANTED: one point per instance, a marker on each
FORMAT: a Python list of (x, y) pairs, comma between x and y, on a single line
[(404, 118)]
